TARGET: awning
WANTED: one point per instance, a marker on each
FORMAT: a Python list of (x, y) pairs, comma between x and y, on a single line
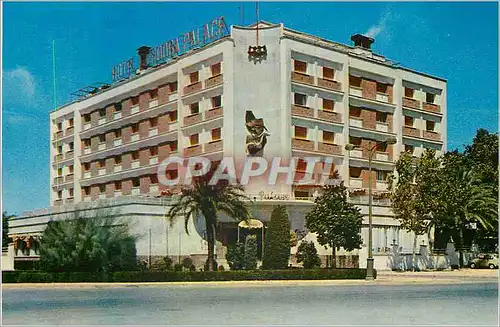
[(251, 224)]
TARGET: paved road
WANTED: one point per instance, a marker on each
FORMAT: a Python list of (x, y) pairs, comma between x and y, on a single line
[(307, 304)]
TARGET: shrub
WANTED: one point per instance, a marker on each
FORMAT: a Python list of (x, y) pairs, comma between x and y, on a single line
[(277, 243), (308, 254), (187, 262), (164, 264), (192, 268), (235, 256), (178, 267), (251, 252)]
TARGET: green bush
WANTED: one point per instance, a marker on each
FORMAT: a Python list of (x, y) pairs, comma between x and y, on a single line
[(164, 264), (235, 256), (183, 276), (187, 262), (178, 267), (308, 254), (277, 242), (251, 252)]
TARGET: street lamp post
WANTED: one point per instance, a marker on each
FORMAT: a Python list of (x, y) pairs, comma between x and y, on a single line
[(350, 147)]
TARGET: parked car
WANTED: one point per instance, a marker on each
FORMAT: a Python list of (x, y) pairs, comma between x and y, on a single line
[(485, 261)]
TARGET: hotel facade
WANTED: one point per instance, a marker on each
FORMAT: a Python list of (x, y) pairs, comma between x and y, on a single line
[(312, 97)]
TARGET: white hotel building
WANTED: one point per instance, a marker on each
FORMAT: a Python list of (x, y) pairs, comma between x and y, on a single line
[(314, 97)]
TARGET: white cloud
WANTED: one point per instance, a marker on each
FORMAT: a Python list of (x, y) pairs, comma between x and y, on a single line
[(381, 26), (19, 85)]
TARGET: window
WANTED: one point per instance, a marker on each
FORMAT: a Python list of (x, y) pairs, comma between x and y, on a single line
[(153, 94), (102, 163), (216, 101), (355, 140), (194, 139), (153, 151), (173, 116), (86, 190), (118, 185), (301, 165), (86, 166), (382, 147), (102, 138), (172, 87), (153, 122), (430, 97), (194, 108), (135, 100), (70, 193), (216, 134), (135, 155), (409, 93), (86, 118), (354, 172), (382, 88), (59, 195), (328, 73), (118, 160), (299, 66), (216, 69), (153, 179), (300, 132), (173, 145), (135, 128), (328, 105), (381, 175), (59, 149), (354, 81), (118, 133), (71, 122), (59, 126), (409, 148), (194, 77), (102, 188), (118, 106), (70, 169), (300, 99), (86, 143), (59, 172), (430, 125), (409, 121), (381, 117), (71, 146), (102, 113), (136, 182), (328, 137), (354, 111)]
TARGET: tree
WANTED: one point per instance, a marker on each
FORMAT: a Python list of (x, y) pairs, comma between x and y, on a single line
[(308, 254), (87, 242), (277, 242), (482, 157), (416, 191), (235, 256), (208, 200), (336, 222), (251, 252), (5, 228)]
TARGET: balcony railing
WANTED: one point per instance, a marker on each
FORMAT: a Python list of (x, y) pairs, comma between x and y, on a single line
[(213, 146), (58, 180), (102, 171), (69, 178), (117, 193), (101, 146), (135, 109), (87, 126), (193, 150), (382, 97), (302, 78), (329, 148), (411, 131), (87, 174), (69, 154), (192, 88), (431, 107), (355, 91), (87, 150), (117, 142), (329, 84), (411, 103), (117, 115), (154, 189), (69, 131), (302, 144), (329, 116), (192, 119), (382, 156), (59, 157), (153, 132), (57, 135), (356, 153), (213, 113), (134, 137), (431, 135), (302, 111), (381, 185), (213, 81), (135, 164), (101, 121), (355, 182), (102, 196), (382, 127), (153, 160), (153, 103), (136, 191), (117, 168), (356, 122)]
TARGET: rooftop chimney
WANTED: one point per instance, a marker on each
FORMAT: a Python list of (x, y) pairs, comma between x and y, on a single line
[(362, 41), (143, 54)]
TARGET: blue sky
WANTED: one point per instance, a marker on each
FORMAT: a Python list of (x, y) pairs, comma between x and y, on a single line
[(457, 41)]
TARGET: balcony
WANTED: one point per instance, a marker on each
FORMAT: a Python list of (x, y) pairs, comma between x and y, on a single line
[(87, 150), (117, 115), (411, 131), (154, 189), (192, 88), (87, 198), (117, 168), (117, 193), (431, 107), (117, 142), (355, 122), (69, 131), (382, 127), (302, 111), (153, 132), (213, 146), (382, 97), (355, 182), (101, 121), (102, 172), (57, 135), (213, 113), (87, 174), (58, 202), (102, 196), (213, 81), (192, 119), (411, 103), (193, 150), (135, 164), (135, 109), (153, 160), (355, 91), (381, 185), (302, 78), (329, 116), (134, 137), (58, 180), (382, 156), (87, 125), (69, 178), (69, 155), (356, 153), (70, 200), (101, 146), (136, 191), (153, 103), (431, 135), (329, 148), (59, 157), (302, 144), (329, 84)]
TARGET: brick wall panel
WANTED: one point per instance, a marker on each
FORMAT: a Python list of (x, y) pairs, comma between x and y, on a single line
[(94, 192), (110, 165), (144, 157), (369, 118), (94, 118), (163, 122), (126, 132), (163, 151), (144, 129), (126, 187), (110, 137), (389, 122), (126, 161), (390, 93), (93, 169), (369, 89), (126, 104), (163, 94), (144, 101), (390, 150), (365, 176), (94, 143), (110, 110), (145, 182), (110, 190)]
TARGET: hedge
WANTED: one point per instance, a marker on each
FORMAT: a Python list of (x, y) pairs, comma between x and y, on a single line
[(183, 276)]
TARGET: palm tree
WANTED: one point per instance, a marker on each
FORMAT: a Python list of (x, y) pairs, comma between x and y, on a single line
[(208, 200)]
